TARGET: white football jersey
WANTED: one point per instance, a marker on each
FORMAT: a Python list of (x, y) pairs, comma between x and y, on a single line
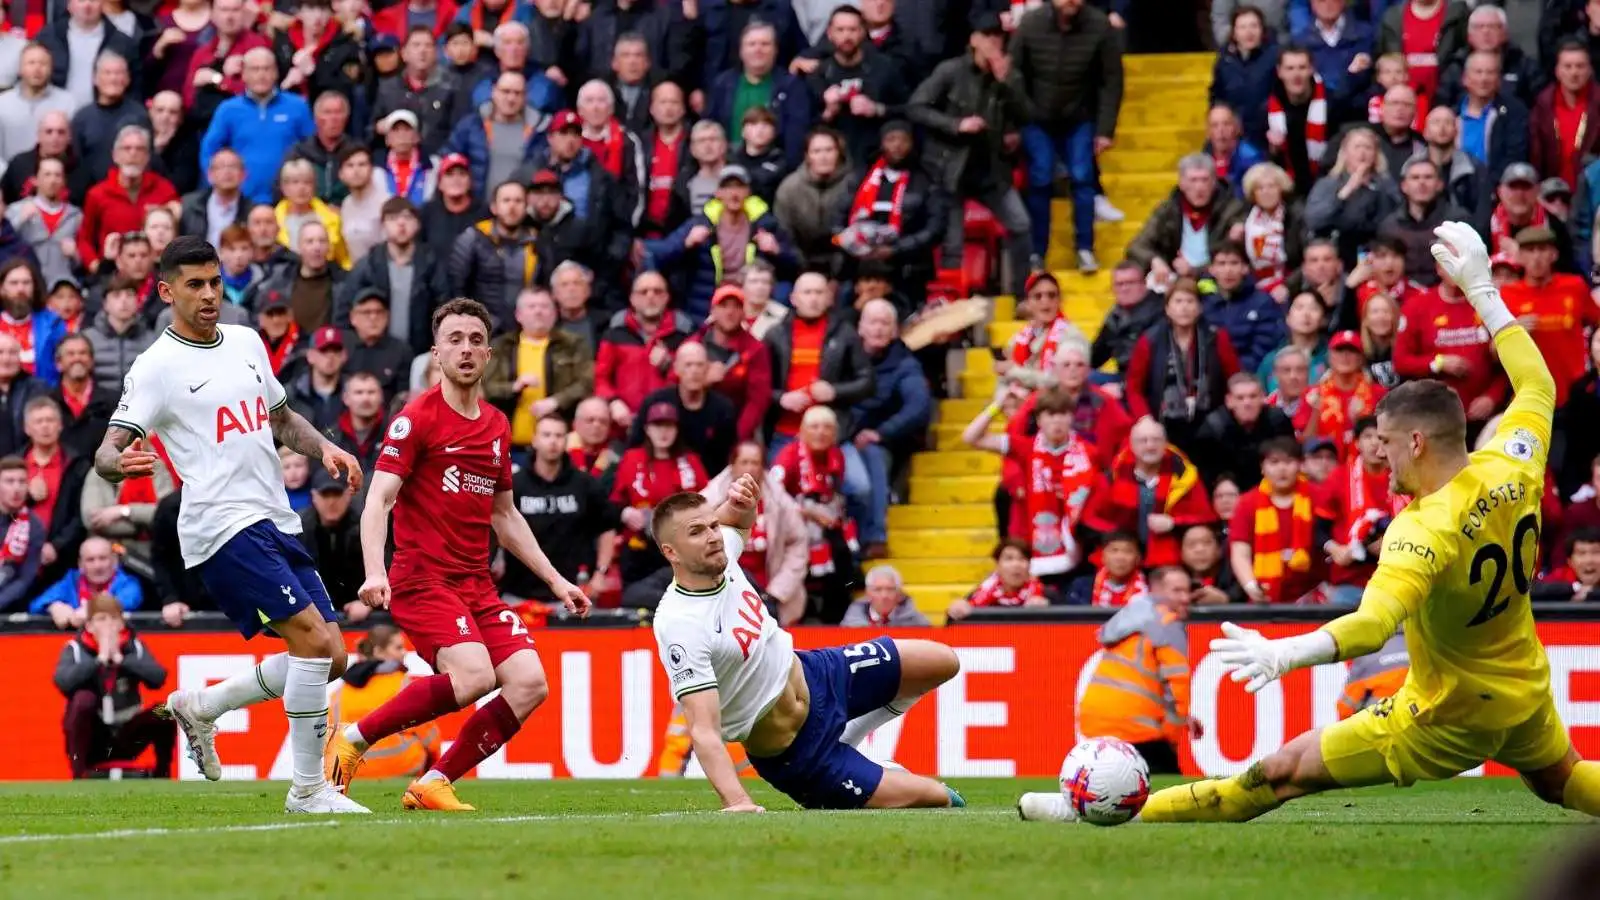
[(211, 404), (724, 639)]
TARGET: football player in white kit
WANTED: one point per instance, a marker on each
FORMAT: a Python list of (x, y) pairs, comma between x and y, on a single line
[(208, 390), (739, 678)]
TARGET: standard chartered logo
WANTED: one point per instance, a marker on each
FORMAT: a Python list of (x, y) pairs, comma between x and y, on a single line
[(452, 480)]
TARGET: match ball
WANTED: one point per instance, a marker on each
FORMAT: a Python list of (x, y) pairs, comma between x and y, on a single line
[(1105, 781)]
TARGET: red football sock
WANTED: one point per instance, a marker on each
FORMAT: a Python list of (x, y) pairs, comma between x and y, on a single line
[(420, 701), (485, 732)]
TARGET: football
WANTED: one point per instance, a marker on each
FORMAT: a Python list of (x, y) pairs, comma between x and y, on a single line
[(1105, 781)]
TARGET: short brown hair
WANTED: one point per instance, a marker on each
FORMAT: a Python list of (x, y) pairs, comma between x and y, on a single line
[(462, 306), (104, 602), (13, 463), (1430, 406), (233, 234), (1011, 544), (669, 509), (759, 114), (1183, 286), (120, 282), (1054, 400)]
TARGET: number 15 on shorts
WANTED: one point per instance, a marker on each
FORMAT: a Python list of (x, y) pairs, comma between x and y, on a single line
[(866, 655)]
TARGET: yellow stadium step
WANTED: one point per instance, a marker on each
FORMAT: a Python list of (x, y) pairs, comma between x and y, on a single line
[(1181, 133), (979, 385), (944, 543), (965, 408), (1142, 162), (1187, 108), (923, 518), (947, 436), (1003, 306), (970, 462), (1167, 65), (966, 570), (957, 489), (933, 600)]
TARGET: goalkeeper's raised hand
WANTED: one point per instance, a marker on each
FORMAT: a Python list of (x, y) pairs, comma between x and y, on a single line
[(1461, 253)]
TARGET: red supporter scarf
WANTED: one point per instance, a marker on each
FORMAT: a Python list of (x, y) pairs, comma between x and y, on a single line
[(1501, 229), (1370, 502), (93, 643), (1299, 415), (1059, 481), (816, 482), (993, 592), (280, 354), (758, 532), (1316, 126), (1109, 593), (648, 488), (609, 149), (866, 200), (297, 35), (15, 548), (1038, 345), (1196, 216), (87, 589), (594, 463), (1278, 553)]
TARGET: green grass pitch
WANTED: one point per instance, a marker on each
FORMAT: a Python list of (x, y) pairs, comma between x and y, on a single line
[(642, 840)]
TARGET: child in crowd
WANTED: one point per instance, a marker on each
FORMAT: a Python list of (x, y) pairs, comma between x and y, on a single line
[(296, 478), (66, 301), (760, 153), (1011, 584), (239, 270), (1578, 578), (1391, 71), (1119, 578)]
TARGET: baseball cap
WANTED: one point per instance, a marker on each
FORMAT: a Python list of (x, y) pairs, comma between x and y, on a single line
[(728, 292), (988, 23), (734, 173), (1534, 236), (66, 280), (1506, 260), (1387, 243), (1319, 444), (662, 412), (1345, 340), (322, 482), (896, 125), (384, 43), (1555, 187), (565, 119), (546, 178), (325, 337), (371, 292), (275, 301), (1520, 173), (453, 161), (400, 117)]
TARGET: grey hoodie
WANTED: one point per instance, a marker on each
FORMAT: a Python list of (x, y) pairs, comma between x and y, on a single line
[(114, 353), (53, 263), (811, 208), (1141, 616)]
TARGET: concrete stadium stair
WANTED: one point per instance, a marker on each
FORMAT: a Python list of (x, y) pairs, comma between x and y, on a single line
[(941, 538)]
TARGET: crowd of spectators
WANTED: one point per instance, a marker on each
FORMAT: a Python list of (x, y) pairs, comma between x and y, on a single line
[(701, 225)]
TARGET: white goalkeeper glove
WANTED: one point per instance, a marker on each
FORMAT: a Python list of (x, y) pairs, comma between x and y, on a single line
[(1460, 252), (1247, 656)]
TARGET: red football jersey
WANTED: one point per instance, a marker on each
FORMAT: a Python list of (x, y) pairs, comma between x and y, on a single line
[(453, 467)]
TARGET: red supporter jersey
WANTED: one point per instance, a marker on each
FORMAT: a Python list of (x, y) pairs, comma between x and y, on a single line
[(452, 467), (1558, 317)]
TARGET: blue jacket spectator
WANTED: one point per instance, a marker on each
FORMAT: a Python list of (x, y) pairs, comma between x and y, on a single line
[(471, 139), (1332, 62), (1242, 76), (1226, 146), (1500, 131), (1585, 197), (1232, 303), (901, 406), (73, 589), (49, 330), (791, 102), (471, 13), (261, 130), (1244, 155), (725, 21), (693, 246)]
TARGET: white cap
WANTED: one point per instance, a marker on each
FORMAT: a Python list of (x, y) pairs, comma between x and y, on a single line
[(398, 116)]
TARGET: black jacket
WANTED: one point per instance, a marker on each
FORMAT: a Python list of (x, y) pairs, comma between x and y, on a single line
[(637, 118), (197, 222), (766, 171), (434, 106), (81, 434), (925, 215), (336, 549), (613, 202), (78, 669), (478, 270), (322, 412), (1222, 445), (957, 89), (441, 227), (674, 41), (678, 207), (1417, 234), (567, 515), (1070, 76), (429, 287), (18, 179), (844, 364), (94, 132), (1121, 330), (389, 359), (12, 404), (876, 76)]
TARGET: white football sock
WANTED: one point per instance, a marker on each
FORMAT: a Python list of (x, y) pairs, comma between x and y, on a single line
[(253, 685), (857, 729), (305, 702), (353, 735)]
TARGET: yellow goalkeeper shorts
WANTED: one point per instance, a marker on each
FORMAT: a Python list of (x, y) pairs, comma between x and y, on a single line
[(1384, 744)]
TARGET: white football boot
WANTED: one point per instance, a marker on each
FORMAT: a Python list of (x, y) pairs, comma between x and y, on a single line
[(324, 800), (199, 732)]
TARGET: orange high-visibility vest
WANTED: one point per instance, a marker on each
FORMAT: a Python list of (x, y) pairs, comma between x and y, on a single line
[(1140, 688)]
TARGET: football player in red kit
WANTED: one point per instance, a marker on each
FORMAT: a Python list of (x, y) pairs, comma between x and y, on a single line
[(445, 471)]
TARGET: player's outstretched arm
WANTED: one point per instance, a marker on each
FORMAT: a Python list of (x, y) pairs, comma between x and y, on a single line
[(291, 429), (738, 511), (703, 711), (381, 494), (515, 535), (1463, 256)]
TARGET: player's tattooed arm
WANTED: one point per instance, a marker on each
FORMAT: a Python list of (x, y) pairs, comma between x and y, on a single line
[(108, 459), (291, 429)]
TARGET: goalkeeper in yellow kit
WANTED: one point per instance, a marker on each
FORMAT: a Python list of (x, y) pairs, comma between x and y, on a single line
[(1456, 568)]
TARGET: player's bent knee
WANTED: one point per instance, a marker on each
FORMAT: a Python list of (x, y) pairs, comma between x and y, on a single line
[(903, 790), (471, 683), (305, 636), (928, 661)]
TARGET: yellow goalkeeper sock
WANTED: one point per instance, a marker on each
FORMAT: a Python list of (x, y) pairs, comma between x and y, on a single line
[(1582, 792), (1237, 799)]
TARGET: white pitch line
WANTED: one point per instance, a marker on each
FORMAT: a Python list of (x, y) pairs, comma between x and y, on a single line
[(346, 821)]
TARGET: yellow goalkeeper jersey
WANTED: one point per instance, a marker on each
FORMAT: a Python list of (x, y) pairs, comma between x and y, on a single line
[(1458, 565)]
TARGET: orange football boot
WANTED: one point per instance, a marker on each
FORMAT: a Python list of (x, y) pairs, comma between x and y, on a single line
[(340, 760), (437, 794)]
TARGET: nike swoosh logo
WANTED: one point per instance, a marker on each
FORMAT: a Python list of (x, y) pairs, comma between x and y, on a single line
[(451, 449), (196, 387)]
